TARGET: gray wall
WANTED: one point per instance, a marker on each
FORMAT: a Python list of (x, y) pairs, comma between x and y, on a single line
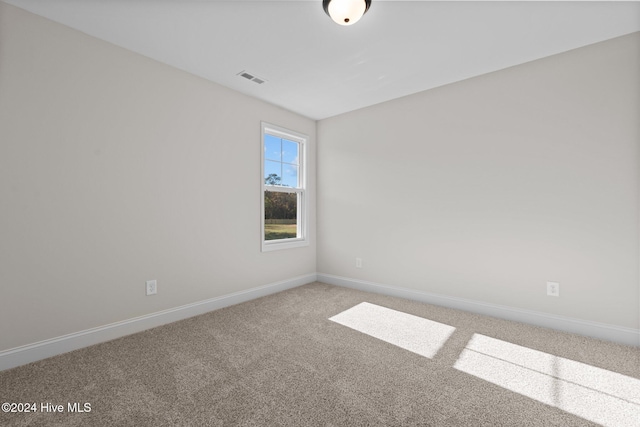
[(488, 188), (115, 169)]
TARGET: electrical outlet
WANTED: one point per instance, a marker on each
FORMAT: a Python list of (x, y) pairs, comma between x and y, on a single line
[(152, 287), (358, 262), (553, 289)]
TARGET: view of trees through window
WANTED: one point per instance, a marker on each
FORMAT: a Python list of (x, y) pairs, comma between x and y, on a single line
[(280, 215)]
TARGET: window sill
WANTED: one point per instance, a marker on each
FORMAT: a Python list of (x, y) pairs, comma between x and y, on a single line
[(275, 245)]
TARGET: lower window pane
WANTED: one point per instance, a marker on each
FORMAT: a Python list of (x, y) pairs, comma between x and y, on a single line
[(280, 214)]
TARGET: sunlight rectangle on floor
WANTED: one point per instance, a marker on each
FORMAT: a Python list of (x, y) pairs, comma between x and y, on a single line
[(605, 397), (416, 334)]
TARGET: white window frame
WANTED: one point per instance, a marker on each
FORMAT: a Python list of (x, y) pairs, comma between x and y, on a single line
[(301, 191)]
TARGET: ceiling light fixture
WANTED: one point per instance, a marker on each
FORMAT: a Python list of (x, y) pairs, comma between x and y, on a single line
[(346, 12)]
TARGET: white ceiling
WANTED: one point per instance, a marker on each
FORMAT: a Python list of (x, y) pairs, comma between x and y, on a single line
[(320, 69)]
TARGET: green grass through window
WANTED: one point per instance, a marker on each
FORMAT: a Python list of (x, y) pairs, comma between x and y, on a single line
[(280, 231)]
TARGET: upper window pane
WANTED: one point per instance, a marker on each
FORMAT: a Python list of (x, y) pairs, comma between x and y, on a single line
[(290, 175), (290, 152), (272, 173), (272, 148), (281, 162)]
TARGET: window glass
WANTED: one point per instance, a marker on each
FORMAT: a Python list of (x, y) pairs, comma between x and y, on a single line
[(272, 173), (280, 215), (289, 175), (283, 191), (272, 148), (289, 152)]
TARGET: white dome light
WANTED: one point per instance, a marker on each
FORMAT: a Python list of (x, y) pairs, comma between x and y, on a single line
[(346, 12)]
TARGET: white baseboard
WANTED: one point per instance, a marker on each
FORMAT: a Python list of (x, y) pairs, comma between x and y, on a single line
[(63, 344), (602, 331)]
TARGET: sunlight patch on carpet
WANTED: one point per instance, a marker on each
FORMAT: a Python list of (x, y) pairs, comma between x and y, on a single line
[(416, 334), (595, 394)]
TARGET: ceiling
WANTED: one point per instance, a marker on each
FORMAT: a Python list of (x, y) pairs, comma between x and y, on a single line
[(319, 69)]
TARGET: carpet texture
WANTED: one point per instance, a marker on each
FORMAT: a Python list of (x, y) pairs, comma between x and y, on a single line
[(280, 360)]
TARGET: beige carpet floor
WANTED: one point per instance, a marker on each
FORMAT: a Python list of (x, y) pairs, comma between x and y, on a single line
[(280, 360)]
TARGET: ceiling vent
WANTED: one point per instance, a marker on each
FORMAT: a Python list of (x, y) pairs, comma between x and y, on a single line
[(251, 77)]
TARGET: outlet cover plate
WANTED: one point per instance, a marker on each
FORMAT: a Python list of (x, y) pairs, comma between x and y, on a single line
[(152, 287), (553, 289)]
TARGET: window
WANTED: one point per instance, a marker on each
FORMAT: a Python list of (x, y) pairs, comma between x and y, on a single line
[(284, 212)]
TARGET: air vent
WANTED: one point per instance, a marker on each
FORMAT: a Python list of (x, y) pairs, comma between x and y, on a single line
[(251, 77)]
